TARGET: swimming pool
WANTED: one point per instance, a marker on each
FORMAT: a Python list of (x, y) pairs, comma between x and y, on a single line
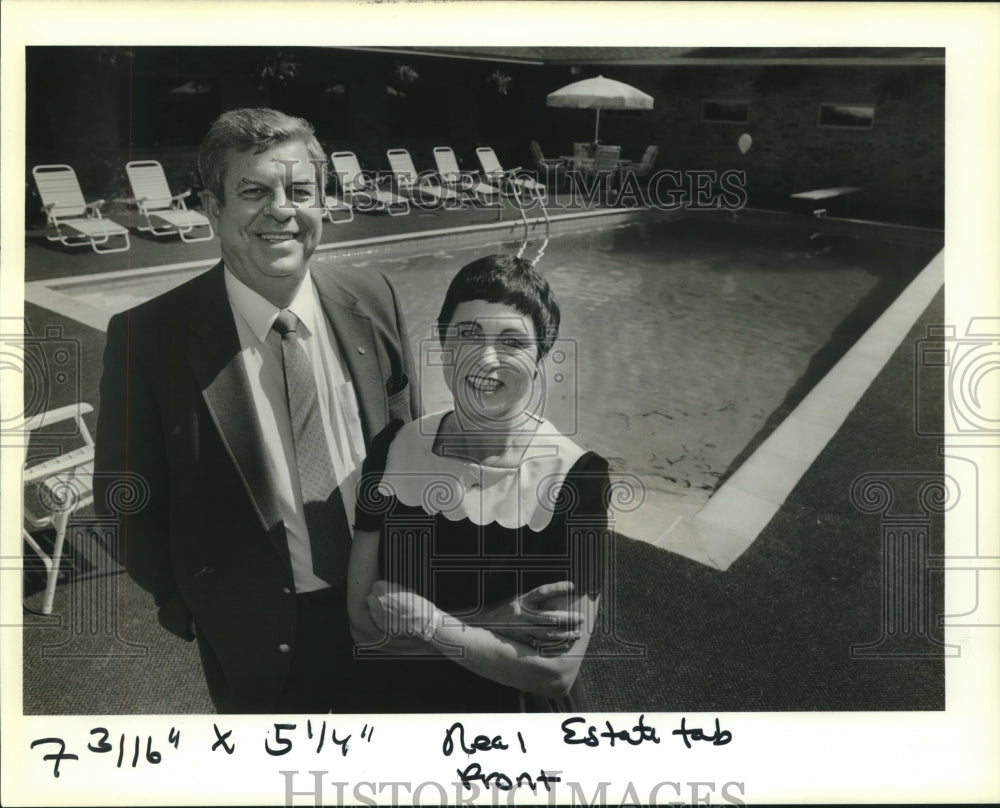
[(683, 340), (683, 336)]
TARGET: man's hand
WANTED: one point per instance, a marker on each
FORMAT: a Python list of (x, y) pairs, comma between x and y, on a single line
[(537, 618)]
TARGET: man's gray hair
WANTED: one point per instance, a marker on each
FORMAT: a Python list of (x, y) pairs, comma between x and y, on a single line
[(249, 129)]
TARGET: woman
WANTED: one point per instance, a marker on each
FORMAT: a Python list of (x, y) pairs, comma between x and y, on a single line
[(476, 506)]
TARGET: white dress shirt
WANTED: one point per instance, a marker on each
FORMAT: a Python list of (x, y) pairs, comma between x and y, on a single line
[(261, 352)]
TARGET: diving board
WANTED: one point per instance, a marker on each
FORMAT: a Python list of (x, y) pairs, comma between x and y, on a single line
[(819, 194), (827, 193)]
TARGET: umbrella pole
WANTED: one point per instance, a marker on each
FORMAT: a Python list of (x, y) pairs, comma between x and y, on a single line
[(597, 125)]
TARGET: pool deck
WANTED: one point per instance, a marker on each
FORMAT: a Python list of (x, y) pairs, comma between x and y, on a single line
[(866, 400), (367, 231), (422, 230)]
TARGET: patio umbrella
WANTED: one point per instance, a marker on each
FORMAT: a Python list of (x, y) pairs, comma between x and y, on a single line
[(597, 94)]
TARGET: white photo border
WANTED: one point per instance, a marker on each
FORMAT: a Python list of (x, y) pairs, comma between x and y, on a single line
[(942, 756)]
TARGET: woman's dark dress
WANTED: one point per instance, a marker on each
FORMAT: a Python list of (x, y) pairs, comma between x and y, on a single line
[(462, 566)]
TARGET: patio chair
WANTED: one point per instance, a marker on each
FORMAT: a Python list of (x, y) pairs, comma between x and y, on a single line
[(358, 189), (641, 169), (462, 181), (163, 213), (55, 489), (506, 180), (583, 155), (69, 218), (418, 187), (551, 168), (606, 162)]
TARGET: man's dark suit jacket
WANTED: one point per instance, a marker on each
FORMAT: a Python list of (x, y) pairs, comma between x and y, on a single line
[(180, 461)]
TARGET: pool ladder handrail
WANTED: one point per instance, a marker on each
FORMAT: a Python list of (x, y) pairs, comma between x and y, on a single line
[(527, 230)]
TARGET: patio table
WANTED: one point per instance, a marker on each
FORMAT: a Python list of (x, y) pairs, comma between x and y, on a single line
[(577, 163)]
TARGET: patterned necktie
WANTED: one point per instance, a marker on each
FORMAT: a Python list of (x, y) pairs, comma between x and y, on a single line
[(326, 518)]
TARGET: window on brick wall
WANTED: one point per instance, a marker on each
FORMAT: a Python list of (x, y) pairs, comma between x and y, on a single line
[(846, 116), (719, 110)]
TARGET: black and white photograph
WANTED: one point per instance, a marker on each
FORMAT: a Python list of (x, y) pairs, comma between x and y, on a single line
[(400, 417)]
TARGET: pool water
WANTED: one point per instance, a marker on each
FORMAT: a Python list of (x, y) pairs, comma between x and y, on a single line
[(680, 337)]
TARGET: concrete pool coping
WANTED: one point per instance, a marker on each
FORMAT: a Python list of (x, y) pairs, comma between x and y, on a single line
[(713, 531)]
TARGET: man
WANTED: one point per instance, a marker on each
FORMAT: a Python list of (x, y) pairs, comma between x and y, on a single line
[(194, 410), (235, 413)]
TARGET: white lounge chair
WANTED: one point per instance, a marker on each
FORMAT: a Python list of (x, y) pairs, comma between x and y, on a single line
[(420, 188), (69, 218), (509, 181), (358, 189), (163, 213), (466, 182), (337, 210)]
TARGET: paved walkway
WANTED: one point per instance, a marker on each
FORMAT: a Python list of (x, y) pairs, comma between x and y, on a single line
[(50, 259)]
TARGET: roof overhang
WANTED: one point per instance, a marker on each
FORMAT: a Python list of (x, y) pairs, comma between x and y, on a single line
[(680, 57)]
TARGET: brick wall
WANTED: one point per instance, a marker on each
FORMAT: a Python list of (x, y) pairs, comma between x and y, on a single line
[(899, 161)]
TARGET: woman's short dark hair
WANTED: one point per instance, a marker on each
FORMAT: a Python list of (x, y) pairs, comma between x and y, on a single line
[(509, 280), (249, 129)]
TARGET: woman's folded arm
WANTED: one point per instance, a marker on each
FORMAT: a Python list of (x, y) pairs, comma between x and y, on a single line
[(542, 670)]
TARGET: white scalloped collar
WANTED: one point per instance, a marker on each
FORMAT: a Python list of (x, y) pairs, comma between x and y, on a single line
[(514, 497)]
